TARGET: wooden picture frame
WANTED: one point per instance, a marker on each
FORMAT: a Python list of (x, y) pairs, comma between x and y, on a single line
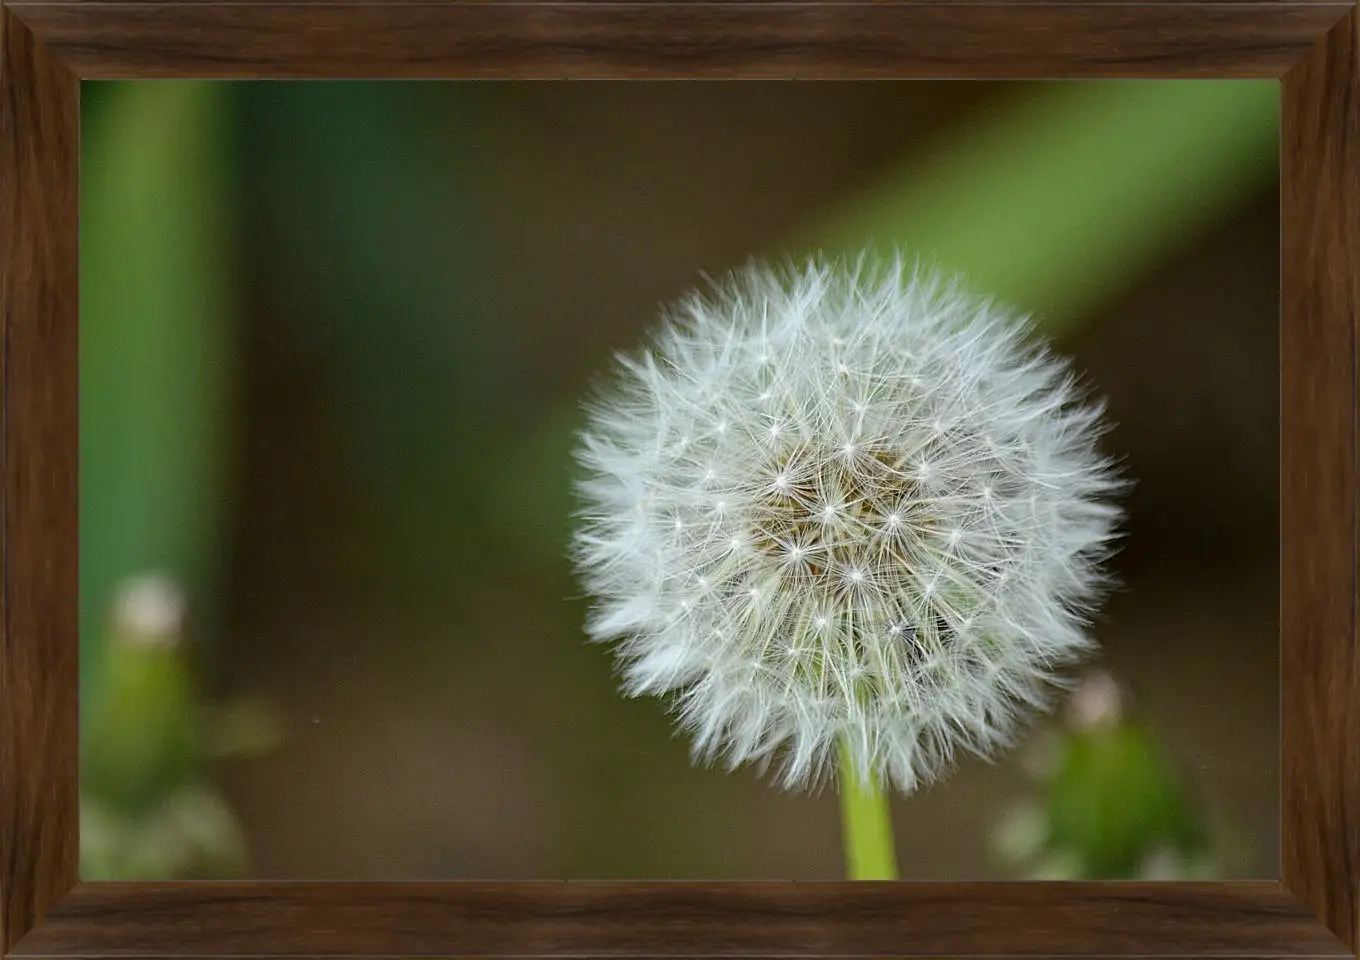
[(46, 48)]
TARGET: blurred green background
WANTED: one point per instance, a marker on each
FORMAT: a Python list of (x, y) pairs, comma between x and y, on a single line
[(333, 339)]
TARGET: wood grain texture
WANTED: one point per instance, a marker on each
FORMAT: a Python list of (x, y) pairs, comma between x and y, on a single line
[(38, 787), (681, 920), (761, 3), (1320, 661), (879, 38), (45, 46)]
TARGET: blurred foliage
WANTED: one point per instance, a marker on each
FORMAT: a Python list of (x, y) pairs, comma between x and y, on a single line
[(143, 736), (1060, 202), (148, 808), (1110, 805), (191, 834)]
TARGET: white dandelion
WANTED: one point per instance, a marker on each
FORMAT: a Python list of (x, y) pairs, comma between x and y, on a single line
[(844, 505)]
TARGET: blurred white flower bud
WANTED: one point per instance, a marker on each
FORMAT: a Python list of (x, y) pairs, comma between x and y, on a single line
[(149, 610), (1096, 702)]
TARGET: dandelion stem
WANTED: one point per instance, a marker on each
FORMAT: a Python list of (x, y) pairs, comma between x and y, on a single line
[(866, 825)]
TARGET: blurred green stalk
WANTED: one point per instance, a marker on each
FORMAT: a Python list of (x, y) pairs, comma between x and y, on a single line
[(156, 243), (1059, 201)]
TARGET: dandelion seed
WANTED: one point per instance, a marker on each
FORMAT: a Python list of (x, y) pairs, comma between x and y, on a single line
[(824, 540)]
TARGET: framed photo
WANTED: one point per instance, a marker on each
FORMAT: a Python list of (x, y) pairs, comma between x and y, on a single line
[(965, 617)]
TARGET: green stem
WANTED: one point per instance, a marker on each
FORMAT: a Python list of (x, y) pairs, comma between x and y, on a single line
[(158, 229), (866, 825)]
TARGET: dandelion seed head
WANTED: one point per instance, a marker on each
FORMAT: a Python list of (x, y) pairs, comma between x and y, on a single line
[(886, 525)]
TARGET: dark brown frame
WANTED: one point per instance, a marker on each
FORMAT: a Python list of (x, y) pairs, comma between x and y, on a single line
[(46, 48)]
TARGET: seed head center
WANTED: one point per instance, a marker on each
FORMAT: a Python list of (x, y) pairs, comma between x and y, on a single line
[(837, 515)]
